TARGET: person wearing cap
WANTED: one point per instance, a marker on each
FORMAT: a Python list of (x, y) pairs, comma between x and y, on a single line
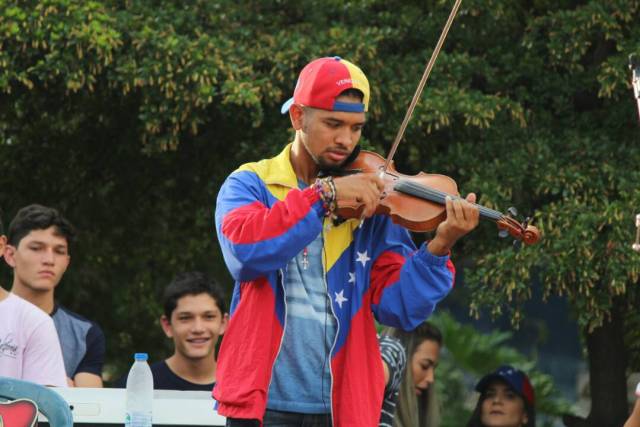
[(507, 399), (301, 343), (634, 418)]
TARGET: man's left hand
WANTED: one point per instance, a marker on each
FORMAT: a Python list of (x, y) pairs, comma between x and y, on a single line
[(462, 217)]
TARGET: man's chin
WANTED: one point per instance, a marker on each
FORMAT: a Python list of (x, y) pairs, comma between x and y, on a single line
[(46, 285), (331, 168), (198, 354)]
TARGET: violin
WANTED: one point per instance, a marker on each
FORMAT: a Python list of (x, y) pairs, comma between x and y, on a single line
[(417, 202)]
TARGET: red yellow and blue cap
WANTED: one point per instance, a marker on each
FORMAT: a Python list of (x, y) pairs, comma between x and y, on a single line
[(515, 378), (322, 80)]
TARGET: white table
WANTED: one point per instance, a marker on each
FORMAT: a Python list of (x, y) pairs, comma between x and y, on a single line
[(170, 407)]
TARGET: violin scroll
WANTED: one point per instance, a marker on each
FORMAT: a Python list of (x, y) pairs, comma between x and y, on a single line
[(523, 232)]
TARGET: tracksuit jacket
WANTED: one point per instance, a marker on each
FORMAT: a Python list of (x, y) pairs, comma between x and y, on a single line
[(372, 268)]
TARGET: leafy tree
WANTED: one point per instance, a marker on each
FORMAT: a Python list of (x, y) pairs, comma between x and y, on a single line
[(580, 152), (128, 116)]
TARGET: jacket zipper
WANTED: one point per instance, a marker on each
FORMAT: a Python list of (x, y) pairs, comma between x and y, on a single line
[(335, 338), (282, 271)]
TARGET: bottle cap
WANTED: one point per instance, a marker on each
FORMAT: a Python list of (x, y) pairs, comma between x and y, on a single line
[(141, 356)]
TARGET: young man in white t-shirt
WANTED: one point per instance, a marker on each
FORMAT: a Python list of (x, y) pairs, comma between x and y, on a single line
[(29, 345), (38, 250)]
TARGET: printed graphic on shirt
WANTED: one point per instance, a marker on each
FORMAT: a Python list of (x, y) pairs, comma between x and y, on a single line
[(8, 348)]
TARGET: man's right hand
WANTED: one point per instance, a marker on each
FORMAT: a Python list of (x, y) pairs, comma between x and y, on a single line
[(362, 188)]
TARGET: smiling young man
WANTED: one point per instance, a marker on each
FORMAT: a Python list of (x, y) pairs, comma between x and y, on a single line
[(29, 346), (195, 316), (301, 346), (38, 252)]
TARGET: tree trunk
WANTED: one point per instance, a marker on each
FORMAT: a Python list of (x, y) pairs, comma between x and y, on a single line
[(607, 374)]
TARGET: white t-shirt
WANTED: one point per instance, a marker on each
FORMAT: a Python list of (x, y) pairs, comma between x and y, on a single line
[(29, 346)]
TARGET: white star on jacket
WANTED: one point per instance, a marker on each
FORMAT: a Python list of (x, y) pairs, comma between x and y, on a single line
[(340, 298), (362, 257), (352, 277)]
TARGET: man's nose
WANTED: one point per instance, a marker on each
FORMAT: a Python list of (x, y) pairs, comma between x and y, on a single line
[(198, 325), (48, 256), (345, 137)]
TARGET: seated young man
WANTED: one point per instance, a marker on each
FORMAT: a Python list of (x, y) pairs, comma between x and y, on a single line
[(29, 346), (38, 251), (195, 316)]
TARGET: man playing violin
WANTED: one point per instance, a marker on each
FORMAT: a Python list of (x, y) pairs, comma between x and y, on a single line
[(301, 346)]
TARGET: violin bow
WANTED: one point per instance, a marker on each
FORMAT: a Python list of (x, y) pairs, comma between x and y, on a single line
[(634, 66), (423, 82), (636, 245), (531, 232)]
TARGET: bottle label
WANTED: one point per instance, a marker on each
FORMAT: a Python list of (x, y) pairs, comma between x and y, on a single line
[(137, 419)]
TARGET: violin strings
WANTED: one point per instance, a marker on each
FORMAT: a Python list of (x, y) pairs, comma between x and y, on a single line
[(437, 196)]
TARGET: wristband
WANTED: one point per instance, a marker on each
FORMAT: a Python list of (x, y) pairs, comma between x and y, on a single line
[(638, 390), (326, 190)]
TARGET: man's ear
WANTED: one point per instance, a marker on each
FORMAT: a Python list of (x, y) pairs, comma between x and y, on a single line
[(296, 114), (166, 326), (9, 255), (3, 244)]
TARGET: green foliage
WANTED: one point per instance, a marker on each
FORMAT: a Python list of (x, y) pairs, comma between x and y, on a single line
[(579, 156), (128, 116)]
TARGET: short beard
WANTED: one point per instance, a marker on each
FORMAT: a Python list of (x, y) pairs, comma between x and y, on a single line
[(324, 167)]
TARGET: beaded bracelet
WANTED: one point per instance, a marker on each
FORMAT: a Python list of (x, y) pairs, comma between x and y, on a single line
[(332, 184), (326, 189)]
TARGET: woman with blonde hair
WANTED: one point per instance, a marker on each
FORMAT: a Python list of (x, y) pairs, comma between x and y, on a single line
[(410, 398)]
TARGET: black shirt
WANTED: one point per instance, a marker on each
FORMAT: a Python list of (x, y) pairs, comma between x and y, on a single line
[(165, 379)]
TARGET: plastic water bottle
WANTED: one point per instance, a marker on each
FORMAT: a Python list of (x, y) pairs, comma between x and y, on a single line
[(139, 400)]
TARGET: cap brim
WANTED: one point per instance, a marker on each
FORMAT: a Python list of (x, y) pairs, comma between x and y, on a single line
[(485, 381), (285, 107)]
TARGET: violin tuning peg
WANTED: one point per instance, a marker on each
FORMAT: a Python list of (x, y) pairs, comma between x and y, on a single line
[(513, 212), (503, 233)]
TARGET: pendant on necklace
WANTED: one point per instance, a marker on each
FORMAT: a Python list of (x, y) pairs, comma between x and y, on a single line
[(305, 259)]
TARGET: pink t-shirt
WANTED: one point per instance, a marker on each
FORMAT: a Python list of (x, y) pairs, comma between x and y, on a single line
[(29, 345)]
